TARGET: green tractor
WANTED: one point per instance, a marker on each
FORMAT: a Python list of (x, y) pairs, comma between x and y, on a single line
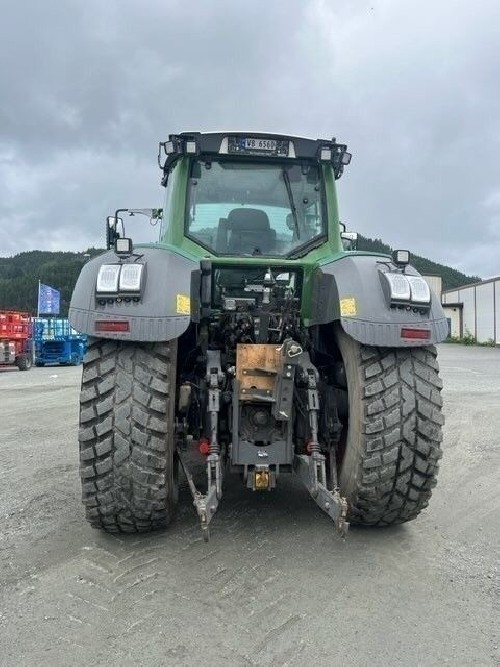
[(255, 338)]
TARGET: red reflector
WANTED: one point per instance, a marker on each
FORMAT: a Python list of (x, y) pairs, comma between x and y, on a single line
[(112, 325), (204, 446), (416, 334)]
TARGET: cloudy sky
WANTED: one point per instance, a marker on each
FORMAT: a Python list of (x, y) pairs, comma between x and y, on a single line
[(89, 87)]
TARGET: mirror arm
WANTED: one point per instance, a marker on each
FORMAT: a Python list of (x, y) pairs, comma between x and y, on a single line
[(111, 231)]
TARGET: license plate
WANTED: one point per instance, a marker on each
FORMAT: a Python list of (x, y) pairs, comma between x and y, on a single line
[(260, 144), (256, 145)]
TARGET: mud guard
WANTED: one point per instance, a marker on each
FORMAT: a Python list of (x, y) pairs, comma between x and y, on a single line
[(161, 312), (350, 290)]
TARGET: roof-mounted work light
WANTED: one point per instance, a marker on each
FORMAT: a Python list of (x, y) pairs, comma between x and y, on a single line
[(325, 153), (346, 158), (326, 150), (176, 146), (334, 153), (191, 146), (341, 158), (171, 146)]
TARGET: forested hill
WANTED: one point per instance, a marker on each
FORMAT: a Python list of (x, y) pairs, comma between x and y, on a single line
[(451, 277), (19, 275)]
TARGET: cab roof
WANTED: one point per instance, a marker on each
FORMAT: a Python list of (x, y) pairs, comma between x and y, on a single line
[(252, 145)]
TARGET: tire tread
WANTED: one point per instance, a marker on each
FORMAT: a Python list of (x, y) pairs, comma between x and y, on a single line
[(125, 435), (402, 433)]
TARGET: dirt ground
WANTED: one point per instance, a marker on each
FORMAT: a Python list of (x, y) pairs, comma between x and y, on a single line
[(275, 584)]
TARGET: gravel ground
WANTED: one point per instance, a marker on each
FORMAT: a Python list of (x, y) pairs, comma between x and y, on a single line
[(275, 584)]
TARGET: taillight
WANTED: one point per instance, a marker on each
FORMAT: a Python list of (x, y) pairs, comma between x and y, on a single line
[(415, 334), (112, 326)]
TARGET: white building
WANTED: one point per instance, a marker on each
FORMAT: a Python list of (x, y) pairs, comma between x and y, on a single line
[(474, 309), (435, 283)]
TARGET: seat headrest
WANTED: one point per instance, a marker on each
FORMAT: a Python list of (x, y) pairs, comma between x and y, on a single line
[(251, 219)]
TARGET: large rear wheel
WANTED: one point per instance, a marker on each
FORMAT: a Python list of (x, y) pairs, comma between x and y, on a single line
[(127, 460), (394, 431)]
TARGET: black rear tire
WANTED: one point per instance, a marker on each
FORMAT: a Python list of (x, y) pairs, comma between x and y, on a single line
[(128, 465), (394, 434)]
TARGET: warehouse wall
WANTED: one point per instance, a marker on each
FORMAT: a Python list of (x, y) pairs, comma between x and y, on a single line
[(485, 313), (451, 297), (497, 310), (480, 312), (466, 296)]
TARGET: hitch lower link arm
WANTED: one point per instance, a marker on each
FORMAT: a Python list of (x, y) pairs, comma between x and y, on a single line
[(206, 504), (312, 468)]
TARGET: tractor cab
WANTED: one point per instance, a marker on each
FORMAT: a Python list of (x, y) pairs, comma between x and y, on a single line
[(251, 196)]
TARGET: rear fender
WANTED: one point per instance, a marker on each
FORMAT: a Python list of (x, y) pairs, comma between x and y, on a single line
[(161, 312), (350, 290)]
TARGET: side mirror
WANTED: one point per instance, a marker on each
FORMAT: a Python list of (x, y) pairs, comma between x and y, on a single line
[(114, 230), (349, 240)]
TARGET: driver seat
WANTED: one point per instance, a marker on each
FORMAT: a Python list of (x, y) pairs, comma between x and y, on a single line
[(250, 232)]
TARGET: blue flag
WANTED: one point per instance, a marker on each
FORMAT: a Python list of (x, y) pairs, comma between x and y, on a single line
[(49, 300)]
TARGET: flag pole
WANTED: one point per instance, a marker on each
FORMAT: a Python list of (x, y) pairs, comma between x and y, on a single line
[(33, 332)]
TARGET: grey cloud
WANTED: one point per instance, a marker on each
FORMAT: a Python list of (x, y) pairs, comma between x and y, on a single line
[(90, 88), (421, 110)]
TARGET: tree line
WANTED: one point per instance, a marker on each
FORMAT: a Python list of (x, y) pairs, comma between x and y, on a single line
[(451, 278), (19, 276)]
